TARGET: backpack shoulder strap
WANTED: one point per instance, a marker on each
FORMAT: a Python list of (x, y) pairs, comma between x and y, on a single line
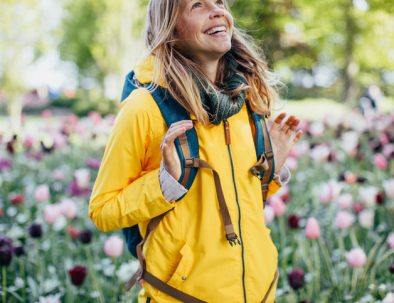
[(265, 167), (186, 145)]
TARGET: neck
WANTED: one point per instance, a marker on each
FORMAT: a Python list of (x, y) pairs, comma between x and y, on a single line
[(210, 69)]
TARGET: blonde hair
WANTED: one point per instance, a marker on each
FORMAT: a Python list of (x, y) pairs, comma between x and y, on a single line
[(177, 70)]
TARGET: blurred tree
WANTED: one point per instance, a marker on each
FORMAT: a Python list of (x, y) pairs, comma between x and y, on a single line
[(22, 41), (98, 36), (353, 36)]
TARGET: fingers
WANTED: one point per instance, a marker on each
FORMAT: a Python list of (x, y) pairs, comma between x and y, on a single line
[(290, 125), (278, 121), (297, 136), (175, 130)]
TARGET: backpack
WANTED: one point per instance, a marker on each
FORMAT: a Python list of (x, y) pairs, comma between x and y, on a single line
[(172, 112), (187, 148)]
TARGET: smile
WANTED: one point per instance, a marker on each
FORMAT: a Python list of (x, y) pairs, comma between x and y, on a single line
[(216, 30)]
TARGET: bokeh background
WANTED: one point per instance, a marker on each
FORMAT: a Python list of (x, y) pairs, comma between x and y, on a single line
[(62, 66)]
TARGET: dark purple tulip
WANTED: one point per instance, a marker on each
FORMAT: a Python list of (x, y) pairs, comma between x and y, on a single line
[(77, 274), (296, 278), (361, 179), (85, 236), (35, 230), (5, 164), (293, 221), (35, 155), (5, 251), (93, 163), (391, 267), (380, 198), (331, 156), (341, 176), (19, 250), (47, 148), (10, 147), (74, 190), (376, 145)]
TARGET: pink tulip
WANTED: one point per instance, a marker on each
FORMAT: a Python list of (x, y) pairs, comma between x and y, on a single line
[(52, 213), (388, 186), (57, 174), (320, 153), (113, 246), (329, 191), (291, 163), (368, 195), (366, 218), (68, 208), (278, 205), (312, 229), (269, 214), (350, 142), (356, 257), (82, 177), (380, 161), (317, 129), (384, 139), (390, 240), (389, 298), (29, 141), (299, 149), (60, 140), (50, 299), (388, 150), (95, 117), (345, 201), (41, 193), (344, 219)]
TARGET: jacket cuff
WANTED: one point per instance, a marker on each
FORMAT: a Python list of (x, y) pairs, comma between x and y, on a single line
[(171, 188)]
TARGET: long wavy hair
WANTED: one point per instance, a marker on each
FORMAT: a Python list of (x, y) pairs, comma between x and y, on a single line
[(177, 70)]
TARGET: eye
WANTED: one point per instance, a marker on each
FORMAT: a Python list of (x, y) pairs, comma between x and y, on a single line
[(196, 4), (220, 2)]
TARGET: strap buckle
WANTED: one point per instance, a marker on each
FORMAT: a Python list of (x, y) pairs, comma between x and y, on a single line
[(269, 154), (264, 186), (261, 166), (191, 162)]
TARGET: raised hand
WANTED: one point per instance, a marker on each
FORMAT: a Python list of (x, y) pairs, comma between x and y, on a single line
[(169, 155), (282, 139)]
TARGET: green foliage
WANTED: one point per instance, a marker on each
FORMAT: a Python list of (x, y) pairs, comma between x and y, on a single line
[(85, 102)]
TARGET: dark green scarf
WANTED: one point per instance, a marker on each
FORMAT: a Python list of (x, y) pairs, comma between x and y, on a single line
[(220, 105)]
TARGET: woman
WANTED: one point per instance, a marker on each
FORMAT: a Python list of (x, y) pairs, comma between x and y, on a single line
[(195, 52)]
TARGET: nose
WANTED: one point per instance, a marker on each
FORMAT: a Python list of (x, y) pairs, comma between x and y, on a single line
[(215, 11)]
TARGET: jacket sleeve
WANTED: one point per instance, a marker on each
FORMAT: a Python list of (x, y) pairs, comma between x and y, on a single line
[(273, 187), (124, 194)]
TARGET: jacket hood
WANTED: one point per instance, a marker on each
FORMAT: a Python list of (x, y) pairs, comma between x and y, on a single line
[(144, 71)]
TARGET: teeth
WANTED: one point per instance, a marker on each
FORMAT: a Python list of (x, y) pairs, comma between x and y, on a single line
[(216, 29)]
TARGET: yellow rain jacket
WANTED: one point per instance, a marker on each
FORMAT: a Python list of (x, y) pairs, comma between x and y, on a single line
[(188, 250)]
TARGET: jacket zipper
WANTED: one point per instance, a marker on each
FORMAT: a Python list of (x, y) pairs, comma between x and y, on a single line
[(228, 142)]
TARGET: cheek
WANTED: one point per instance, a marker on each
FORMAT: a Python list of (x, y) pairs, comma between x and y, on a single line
[(230, 19), (186, 30)]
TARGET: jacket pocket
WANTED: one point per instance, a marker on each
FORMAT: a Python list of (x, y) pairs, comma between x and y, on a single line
[(183, 268)]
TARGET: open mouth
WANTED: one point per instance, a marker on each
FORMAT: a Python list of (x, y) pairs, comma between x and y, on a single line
[(216, 30)]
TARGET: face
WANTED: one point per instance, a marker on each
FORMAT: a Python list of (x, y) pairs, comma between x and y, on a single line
[(204, 29)]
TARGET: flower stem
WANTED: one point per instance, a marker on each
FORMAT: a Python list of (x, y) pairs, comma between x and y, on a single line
[(317, 268), (114, 288), (22, 273), (93, 271), (4, 284)]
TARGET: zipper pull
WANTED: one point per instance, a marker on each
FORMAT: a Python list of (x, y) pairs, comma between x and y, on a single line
[(227, 131)]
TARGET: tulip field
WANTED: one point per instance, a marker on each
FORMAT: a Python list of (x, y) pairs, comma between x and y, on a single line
[(333, 223)]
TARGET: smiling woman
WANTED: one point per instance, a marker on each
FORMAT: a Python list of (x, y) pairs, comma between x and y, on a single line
[(190, 160)]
